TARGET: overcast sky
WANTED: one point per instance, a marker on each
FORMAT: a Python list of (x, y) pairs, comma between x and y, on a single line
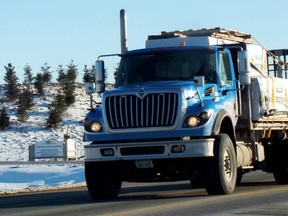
[(57, 31)]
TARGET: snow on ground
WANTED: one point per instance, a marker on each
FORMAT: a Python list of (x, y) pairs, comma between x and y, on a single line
[(15, 142), (27, 178)]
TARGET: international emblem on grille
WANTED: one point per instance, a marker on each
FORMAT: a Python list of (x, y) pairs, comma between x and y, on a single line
[(141, 93)]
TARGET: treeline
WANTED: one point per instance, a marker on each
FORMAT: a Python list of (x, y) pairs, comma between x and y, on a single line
[(23, 94)]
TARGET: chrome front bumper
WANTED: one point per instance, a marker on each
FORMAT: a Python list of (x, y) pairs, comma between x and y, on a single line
[(190, 149)]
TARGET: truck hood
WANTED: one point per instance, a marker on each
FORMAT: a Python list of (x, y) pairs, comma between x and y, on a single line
[(187, 88)]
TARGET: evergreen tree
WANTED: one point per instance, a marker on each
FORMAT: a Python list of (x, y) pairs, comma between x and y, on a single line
[(12, 85), (47, 74), (42, 79), (55, 116), (54, 119), (22, 113), (28, 76), (86, 76), (72, 72), (65, 96), (67, 79), (4, 118), (61, 74), (89, 74), (70, 84), (25, 103), (39, 84), (59, 102)]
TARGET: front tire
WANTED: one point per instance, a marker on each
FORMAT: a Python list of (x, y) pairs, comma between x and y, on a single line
[(220, 172), (103, 180)]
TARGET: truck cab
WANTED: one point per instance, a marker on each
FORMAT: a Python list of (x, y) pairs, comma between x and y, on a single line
[(179, 90)]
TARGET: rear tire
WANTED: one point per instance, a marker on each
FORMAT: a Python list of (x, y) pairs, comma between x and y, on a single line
[(103, 180), (220, 172)]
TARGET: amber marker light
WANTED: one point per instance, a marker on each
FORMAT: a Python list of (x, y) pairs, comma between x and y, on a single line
[(183, 43)]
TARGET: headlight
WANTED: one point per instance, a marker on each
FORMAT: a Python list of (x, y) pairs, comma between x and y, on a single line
[(96, 127), (193, 121), (197, 120)]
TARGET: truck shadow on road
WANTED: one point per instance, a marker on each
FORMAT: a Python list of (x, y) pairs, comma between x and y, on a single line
[(80, 196)]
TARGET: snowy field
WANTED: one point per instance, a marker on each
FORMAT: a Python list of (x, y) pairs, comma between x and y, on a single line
[(15, 142)]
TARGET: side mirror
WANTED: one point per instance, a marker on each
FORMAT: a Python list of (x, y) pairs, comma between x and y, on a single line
[(199, 81), (99, 76), (243, 68)]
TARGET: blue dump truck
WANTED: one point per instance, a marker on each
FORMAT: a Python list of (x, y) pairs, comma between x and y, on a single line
[(204, 105)]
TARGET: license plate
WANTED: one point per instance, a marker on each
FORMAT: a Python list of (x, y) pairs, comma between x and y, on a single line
[(143, 164)]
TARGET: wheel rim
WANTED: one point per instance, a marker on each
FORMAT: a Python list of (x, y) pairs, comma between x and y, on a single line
[(227, 165)]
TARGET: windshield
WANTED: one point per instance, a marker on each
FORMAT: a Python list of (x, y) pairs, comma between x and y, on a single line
[(166, 66)]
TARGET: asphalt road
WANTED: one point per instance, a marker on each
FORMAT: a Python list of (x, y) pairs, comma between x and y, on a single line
[(256, 195)]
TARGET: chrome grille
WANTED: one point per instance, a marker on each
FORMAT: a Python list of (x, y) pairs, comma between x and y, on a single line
[(129, 111)]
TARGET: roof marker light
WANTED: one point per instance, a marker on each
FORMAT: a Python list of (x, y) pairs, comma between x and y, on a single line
[(183, 43)]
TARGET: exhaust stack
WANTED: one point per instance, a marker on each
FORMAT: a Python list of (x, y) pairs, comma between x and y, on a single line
[(123, 31)]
